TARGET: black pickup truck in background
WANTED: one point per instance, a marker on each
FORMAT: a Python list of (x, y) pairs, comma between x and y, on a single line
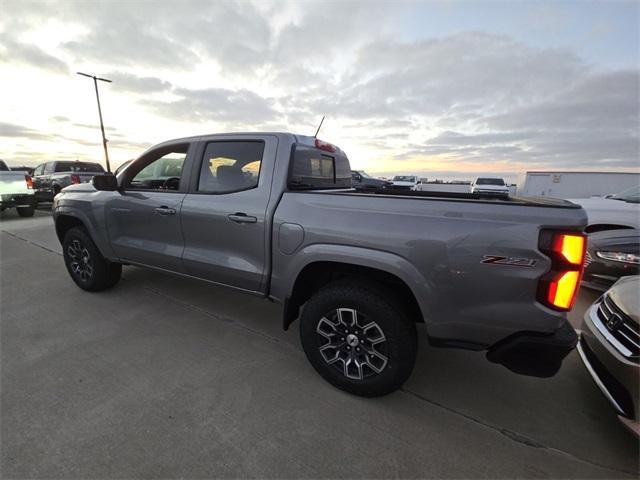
[(51, 177)]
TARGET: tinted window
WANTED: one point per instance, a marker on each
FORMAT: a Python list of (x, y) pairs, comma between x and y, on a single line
[(490, 181), (3, 167), (313, 169), (78, 167), (230, 166)]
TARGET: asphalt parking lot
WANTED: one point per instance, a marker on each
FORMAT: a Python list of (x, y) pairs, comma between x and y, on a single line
[(167, 377)]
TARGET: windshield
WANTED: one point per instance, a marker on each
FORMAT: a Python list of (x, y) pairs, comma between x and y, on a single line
[(404, 178), (490, 181), (78, 167), (631, 195), (364, 174)]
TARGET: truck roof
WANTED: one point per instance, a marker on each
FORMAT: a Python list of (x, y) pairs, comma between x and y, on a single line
[(304, 139)]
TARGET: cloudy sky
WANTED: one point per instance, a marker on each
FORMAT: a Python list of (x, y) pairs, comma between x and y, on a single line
[(446, 89)]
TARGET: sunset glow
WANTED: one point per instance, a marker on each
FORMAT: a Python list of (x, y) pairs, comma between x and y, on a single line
[(438, 89)]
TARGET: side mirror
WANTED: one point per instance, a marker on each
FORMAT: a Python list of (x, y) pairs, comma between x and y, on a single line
[(107, 183)]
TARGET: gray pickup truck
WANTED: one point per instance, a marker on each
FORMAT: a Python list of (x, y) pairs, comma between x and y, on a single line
[(274, 215), (51, 177)]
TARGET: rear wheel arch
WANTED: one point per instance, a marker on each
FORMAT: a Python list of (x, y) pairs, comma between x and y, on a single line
[(316, 275), (359, 337)]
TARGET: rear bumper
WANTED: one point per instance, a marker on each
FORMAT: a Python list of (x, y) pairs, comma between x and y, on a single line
[(19, 200), (535, 354)]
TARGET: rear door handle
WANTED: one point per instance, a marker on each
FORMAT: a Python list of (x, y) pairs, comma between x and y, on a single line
[(165, 211), (240, 217)]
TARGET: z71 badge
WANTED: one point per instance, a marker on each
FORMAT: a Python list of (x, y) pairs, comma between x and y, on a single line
[(508, 261)]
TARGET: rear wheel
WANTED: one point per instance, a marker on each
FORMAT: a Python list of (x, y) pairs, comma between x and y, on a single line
[(26, 211), (358, 338), (86, 265)]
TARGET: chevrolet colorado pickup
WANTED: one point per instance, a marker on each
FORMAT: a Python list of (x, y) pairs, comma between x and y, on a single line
[(16, 191), (274, 215)]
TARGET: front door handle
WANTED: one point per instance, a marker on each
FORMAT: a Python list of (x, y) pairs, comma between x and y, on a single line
[(165, 211), (240, 217)]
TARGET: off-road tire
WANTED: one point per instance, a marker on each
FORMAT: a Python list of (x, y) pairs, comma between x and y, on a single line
[(376, 306), (80, 253)]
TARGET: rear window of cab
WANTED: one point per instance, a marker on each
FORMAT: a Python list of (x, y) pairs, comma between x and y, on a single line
[(312, 169)]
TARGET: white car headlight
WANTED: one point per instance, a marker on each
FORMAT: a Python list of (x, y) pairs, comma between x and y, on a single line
[(620, 257)]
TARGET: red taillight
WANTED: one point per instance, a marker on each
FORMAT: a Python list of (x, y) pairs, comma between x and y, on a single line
[(29, 180), (559, 287), (562, 290), (571, 247), (326, 146), (75, 179)]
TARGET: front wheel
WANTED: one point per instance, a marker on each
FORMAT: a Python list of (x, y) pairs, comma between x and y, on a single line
[(358, 338), (86, 265)]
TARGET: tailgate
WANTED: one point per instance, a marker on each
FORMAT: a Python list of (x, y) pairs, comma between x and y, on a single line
[(13, 183), (86, 177)]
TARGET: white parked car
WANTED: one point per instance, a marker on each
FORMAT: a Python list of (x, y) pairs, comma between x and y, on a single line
[(490, 186), (405, 182), (621, 210)]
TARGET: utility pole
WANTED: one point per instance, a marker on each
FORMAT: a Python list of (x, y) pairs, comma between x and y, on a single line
[(104, 139)]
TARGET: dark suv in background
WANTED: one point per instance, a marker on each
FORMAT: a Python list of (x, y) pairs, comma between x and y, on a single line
[(360, 180)]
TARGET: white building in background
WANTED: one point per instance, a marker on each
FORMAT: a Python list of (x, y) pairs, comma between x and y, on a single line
[(576, 184)]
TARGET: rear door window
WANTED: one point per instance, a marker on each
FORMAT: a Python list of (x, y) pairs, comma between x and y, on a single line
[(230, 166)]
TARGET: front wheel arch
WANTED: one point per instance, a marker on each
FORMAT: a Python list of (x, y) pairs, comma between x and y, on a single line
[(64, 223), (87, 267)]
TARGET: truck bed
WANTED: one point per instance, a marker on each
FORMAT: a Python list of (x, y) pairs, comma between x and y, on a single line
[(494, 200), (438, 242)]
